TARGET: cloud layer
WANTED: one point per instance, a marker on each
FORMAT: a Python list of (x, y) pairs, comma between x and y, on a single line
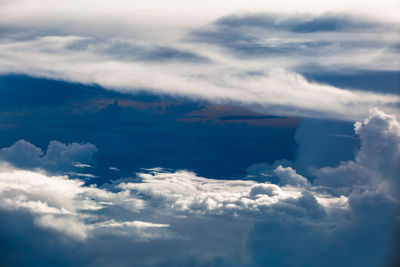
[(169, 207), (255, 60), (73, 205)]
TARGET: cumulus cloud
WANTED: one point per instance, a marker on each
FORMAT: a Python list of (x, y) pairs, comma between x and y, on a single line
[(58, 156), (164, 209), (289, 176), (368, 186), (169, 207), (185, 192), (378, 160), (62, 204)]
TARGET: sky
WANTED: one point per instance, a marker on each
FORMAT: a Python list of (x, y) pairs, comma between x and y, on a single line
[(199, 133)]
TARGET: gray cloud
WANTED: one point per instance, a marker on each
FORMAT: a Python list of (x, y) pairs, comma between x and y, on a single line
[(304, 36), (301, 23), (58, 156)]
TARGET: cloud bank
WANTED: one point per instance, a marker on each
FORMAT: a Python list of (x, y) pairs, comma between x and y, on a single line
[(255, 60), (249, 218)]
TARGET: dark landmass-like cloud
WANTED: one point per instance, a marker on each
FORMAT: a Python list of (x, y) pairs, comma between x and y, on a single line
[(142, 131)]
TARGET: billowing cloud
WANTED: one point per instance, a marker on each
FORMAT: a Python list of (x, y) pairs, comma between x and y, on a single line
[(59, 157), (185, 192), (289, 176), (64, 204), (169, 208), (378, 160)]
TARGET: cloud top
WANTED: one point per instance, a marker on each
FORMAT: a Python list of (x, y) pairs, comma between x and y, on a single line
[(169, 207)]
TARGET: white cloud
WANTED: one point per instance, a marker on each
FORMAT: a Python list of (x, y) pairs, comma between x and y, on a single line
[(376, 163), (59, 157), (138, 224), (214, 217), (183, 191), (58, 202), (177, 12), (289, 176), (66, 225), (58, 198), (70, 207), (81, 165), (109, 59), (276, 91)]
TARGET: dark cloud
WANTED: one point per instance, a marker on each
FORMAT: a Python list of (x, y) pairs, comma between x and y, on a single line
[(298, 243), (376, 81), (299, 23), (271, 35), (24, 244), (254, 44), (141, 131)]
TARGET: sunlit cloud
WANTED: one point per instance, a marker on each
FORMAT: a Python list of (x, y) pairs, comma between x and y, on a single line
[(254, 60)]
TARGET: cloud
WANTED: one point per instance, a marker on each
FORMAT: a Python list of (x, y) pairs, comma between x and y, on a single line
[(278, 214), (83, 216), (299, 23), (164, 210), (369, 187), (22, 153), (133, 51), (185, 192), (208, 221), (375, 81), (190, 12), (119, 129), (58, 157), (276, 91), (376, 163), (289, 176), (62, 204), (248, 65)]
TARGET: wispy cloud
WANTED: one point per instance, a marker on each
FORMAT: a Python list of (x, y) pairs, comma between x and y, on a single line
[(252, 60)]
